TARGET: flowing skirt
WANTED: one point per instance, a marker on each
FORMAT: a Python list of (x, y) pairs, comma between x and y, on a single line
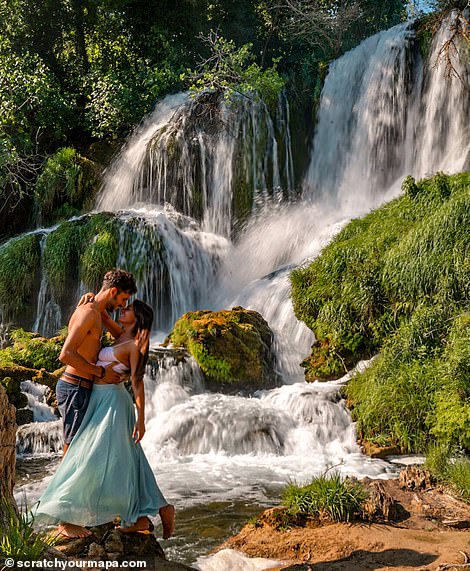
[(104, 473)]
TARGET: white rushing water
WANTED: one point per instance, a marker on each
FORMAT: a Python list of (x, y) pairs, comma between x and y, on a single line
[(399, 118)]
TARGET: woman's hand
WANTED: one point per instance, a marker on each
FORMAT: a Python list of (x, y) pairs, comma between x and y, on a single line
[(86, 298), (139, 430)]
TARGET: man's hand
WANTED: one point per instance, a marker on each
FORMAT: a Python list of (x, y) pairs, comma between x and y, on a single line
[(139, 430), (110, 376)]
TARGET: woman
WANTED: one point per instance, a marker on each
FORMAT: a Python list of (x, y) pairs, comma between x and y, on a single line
[(105, 474)]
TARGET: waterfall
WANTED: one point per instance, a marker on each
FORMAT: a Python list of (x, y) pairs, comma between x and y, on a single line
[(208, 158), (401, 116), (48, 311)]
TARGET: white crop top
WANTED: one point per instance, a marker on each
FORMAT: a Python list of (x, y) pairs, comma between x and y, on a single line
[(107, 356)]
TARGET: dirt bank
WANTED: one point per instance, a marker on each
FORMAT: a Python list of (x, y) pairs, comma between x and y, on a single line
[(430, 530)]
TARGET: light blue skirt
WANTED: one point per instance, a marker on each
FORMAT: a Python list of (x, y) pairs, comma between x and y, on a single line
[(104, 473)]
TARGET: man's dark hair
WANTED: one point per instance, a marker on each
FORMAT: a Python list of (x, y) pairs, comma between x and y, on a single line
[(120, 279)]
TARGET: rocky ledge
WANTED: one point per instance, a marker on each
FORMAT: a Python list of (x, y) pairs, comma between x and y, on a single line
[(410, 523), (108, 544)]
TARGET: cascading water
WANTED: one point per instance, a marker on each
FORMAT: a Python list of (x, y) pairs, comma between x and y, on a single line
[(401, 116), (187, 154), (208, 448)]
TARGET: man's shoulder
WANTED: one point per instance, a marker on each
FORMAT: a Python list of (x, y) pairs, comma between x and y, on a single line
[(86, 312)]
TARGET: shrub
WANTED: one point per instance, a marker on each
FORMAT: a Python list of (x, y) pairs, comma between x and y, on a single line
[(450, 467), (327, 496), (65, 183)]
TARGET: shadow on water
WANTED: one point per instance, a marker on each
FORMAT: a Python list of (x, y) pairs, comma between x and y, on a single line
[(361, 560)]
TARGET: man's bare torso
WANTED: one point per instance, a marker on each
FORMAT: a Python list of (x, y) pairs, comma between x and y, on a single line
[(91, 345)]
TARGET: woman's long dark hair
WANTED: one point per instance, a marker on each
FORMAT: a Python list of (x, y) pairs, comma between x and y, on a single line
[(141, 331)]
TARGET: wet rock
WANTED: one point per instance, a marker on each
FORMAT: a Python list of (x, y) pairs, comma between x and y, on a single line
[(109, 544), (24, 416), (379, 451)]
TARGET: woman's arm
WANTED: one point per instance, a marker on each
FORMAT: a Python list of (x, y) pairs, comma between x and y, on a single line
[(139, 394)]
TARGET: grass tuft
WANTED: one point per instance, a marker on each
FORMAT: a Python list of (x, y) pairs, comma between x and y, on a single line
[(327, 496)]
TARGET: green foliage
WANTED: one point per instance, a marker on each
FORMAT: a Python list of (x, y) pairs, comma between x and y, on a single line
[(450, 468), (66, 179), (32, 351), (17, 537), (231, 70), (19, 262), (99, 257), (418, 389), (381, 268), (327, 496), (397, 283)]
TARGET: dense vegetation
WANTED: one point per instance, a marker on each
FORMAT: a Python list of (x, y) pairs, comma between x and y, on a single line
[(396, 283)]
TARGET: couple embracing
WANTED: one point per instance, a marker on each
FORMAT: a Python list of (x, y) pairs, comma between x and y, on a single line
[(104, 474)]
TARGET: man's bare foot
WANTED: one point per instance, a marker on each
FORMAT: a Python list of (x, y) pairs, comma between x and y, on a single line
[(143, 523), (167, 514), (72, 530)]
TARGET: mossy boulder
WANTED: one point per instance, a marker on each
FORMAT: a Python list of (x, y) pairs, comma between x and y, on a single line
[(233, 348), (30, 350)]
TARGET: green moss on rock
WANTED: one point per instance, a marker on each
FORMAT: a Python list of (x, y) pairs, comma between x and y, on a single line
[(233, 348), (32, 351), (83, 249), (19, 264)]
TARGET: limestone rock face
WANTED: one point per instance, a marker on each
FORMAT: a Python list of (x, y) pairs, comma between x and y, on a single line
[(7, 447), (232, 347)]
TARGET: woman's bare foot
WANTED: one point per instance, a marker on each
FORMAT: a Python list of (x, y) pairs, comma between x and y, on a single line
[(143, 523), (72, 530), (167, 514)]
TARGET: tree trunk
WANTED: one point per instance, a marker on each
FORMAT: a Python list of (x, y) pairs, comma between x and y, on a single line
[(7, 452)]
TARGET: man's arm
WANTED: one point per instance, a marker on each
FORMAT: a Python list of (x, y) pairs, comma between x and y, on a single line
[(81, 325)]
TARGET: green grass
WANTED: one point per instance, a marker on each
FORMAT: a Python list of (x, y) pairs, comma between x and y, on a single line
[(450, 468), (17, 537), (328, 496), (381, 268), (83, 249), (64, 185), (397, 283)]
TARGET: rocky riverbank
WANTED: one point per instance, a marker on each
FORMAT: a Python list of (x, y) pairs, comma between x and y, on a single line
[(413, 524)]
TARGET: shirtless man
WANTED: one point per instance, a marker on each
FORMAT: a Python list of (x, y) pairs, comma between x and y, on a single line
[(80, 353)]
